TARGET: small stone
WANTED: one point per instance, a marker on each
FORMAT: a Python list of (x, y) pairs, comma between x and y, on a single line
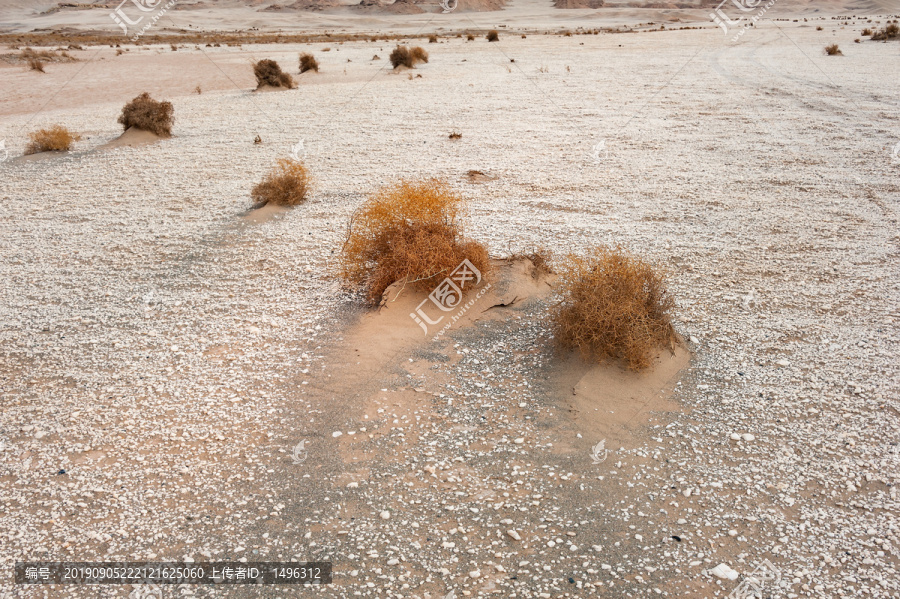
[(724, 571), (748, 437), (336, 434), (519, 441), (597, 548), (514, 535), (385, 515), (735, 437), (475, 574), (694, 339), (783, 363), (732, 533), (393, 561), (687, 492)]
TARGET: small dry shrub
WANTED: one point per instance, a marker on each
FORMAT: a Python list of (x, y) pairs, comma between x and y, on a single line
[(524, 36), (400, 57), (268, 72), (287, 184), (199, 90), (493, 36), (614, 305), (833, 50), (418, 54), (36, 65), (376, 57), (143, 112), (818, 29), (432, 39), (52, 139), (470, 38), (455, 135), (411, 231), (308, 62), (867, 31)]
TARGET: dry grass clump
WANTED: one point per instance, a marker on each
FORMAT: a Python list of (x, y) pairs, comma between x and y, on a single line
[(614, 305), (493, 36), (36, 65), (52, 139), (833, 50), (268, 72), (455, 135), (287, 184), (470, 38), (432, 39), (418, 54), (890, 31), (407, 57), (308, 62), (145, 113), (410, 231), (867, 31)]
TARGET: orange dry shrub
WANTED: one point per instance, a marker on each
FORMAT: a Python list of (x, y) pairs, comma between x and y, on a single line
[(52, 139), (287, 184), (614, 305), (408, 231)]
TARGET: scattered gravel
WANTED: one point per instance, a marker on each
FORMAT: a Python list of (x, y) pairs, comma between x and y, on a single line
[(161, 358)]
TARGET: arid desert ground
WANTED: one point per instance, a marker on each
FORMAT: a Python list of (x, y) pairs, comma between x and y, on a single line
[(183, 378)]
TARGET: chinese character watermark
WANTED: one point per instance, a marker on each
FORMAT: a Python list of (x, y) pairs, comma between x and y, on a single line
[(447, 296), (724, 21), (298, 151), (599, 453), (124, 20), (599, 151), (300, 453), (754, 584)]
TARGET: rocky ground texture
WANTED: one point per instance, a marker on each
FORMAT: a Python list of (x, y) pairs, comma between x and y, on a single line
[(161, 356)]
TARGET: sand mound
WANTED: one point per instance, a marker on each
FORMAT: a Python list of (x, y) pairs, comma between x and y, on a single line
[(271, 88), (132, 137)]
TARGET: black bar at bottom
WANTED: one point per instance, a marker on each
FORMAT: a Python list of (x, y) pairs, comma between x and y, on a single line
[(173, 572)]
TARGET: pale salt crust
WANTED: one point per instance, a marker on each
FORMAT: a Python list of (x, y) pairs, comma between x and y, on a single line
[(155, 347)]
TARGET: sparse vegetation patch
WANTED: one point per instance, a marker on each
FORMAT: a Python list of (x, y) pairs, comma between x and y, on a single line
[(147, 114), (288, 184), (614, 305), (412, 231), (52, 139)]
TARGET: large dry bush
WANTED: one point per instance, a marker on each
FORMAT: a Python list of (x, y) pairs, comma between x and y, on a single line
[(143, 112), (52, 139), (614, 305), (287, 184), (308, 62), (410, 231), (268, 72)]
